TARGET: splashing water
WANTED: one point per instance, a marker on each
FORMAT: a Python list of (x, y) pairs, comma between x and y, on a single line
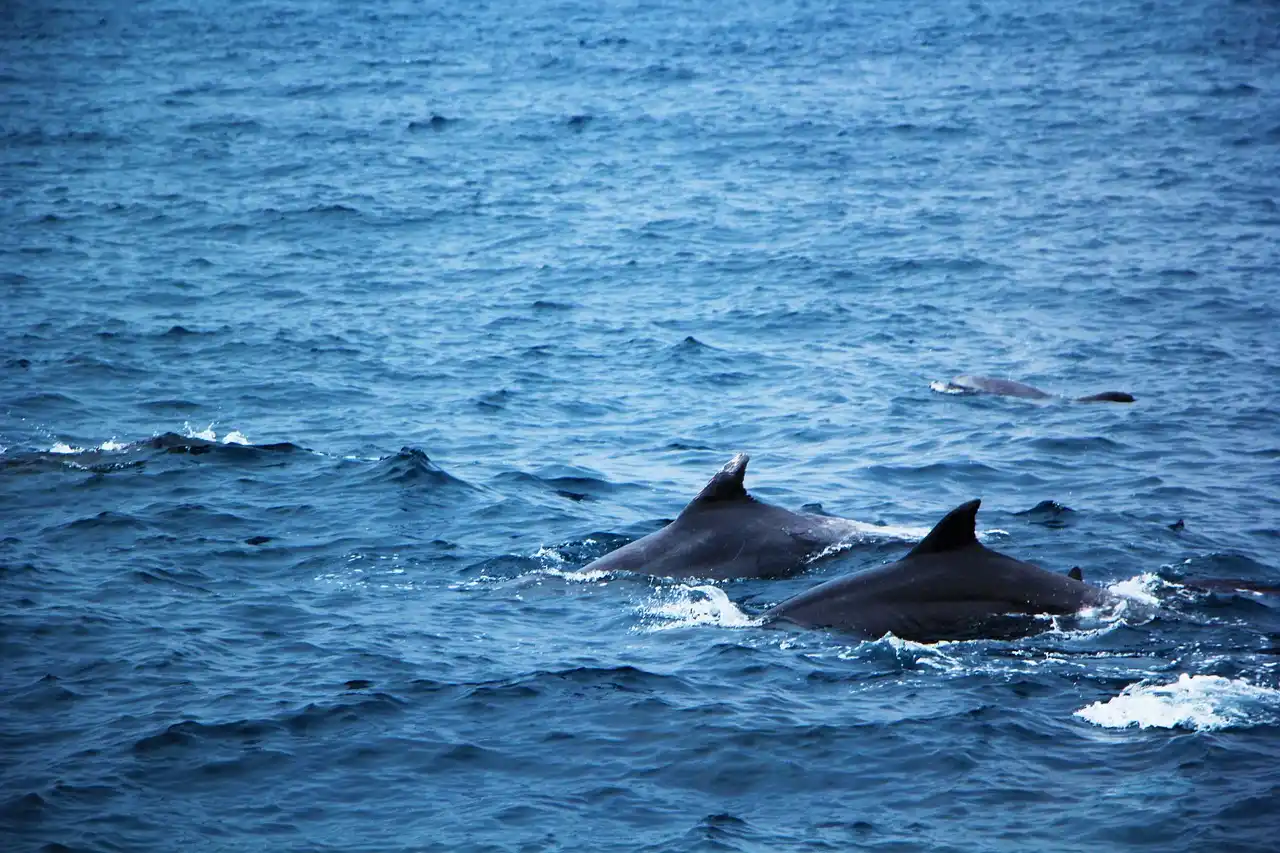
[(1197, 702), (686, 606)]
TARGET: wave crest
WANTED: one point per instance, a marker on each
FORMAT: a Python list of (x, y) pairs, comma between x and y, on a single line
[(1196, 702)]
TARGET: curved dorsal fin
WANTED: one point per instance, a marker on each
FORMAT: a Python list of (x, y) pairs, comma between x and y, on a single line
[(1075, 574), (726, 485), (954, 531)]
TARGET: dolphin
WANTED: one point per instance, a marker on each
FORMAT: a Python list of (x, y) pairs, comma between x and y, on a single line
[(966, 384), (725, 533), (949, 587)]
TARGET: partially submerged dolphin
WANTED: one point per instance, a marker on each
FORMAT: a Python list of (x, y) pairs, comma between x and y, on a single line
[(726, 533), (966, 384), (949, 587)]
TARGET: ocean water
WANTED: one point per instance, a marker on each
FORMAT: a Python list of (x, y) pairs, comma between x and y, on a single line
[(336, 338)]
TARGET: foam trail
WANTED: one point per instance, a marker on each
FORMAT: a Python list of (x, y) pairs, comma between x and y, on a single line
[(1197, 702)]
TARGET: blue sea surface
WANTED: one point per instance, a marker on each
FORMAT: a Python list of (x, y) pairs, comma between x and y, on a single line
[(337, 338)]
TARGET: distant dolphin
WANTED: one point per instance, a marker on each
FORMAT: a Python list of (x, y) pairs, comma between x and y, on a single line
[(948, 587), (965, 384), (726, 533)]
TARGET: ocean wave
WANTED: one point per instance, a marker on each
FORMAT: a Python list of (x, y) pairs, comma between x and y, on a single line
[(576, 486), (1196, 702), (411, 466), (625, 678), (192, 734), (114, 454)]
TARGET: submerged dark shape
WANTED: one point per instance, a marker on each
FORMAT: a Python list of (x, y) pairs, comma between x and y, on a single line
[(1234, 585), (171, 442), (966, 384), (114, 457), (949, 587), (1049, 513), (726, 533)]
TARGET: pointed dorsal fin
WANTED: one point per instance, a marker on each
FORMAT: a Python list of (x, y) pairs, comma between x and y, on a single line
[(954, 531), (726, 485), (1075, 574)]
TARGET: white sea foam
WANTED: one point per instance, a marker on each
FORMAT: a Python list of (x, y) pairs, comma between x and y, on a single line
[(1140, 588), (903, 652), (207, 433), (580, 576), (210, 434), (552, 561), (945, 387), (551, 554), (111, 445), (1198, 702), (686, 606)]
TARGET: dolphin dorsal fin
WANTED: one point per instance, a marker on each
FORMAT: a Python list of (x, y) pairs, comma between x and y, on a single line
[(953, 532), (726, 485), (1075, 574)]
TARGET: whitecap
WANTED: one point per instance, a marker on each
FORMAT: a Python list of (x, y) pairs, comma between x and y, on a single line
[(1197, 702)]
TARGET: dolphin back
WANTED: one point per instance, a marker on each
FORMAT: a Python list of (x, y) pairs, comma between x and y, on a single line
[(725, 533), (1108, 397), (949, 587)]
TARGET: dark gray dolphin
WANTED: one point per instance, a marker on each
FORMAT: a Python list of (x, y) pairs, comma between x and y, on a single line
[(966, 384), (726, 533), (949, 587)]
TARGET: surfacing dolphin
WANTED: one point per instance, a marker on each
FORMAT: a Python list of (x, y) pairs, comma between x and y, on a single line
[(966, 384), (949, 587), (725, 533)]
